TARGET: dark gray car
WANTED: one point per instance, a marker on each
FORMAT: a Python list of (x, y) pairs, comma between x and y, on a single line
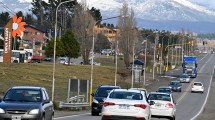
[(28, 103)]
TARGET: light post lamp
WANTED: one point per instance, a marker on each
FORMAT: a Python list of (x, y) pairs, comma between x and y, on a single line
[(92, 60), (116, 62), (54, 56), (144, 77)]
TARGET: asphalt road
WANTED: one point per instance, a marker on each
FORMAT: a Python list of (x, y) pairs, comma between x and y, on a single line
[(189, 104)]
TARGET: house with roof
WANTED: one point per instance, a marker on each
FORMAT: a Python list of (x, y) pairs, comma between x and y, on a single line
[(34, 38)]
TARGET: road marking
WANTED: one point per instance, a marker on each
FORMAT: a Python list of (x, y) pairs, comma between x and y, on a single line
[(189, 87), (203, 106), (71, 116), (203, 57)]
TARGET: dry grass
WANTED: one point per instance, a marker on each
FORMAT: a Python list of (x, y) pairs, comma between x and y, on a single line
[(41, 75)]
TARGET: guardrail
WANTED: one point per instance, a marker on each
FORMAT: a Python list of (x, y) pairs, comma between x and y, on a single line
[(77, 102), (73, 105)]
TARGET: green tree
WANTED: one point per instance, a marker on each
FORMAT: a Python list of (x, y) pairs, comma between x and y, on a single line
[(4, 18), (29, 19), (70, 45), (49, 50), (20, 14), (102, 43), (96, 14)]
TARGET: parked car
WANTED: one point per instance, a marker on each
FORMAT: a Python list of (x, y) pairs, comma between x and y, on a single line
[(27, 103), (49, 59), (107, 51), (126, 104), (197, 87), (165, 89), (162, 105), (175, 86), (184, 78), (99, 96)]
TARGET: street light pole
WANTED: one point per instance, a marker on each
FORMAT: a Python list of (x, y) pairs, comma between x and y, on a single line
[(116, 62), (54, 56), (92, 60), (156, 38), (161, 54)]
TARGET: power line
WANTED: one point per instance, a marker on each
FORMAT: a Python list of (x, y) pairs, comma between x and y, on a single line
[(7, 8)]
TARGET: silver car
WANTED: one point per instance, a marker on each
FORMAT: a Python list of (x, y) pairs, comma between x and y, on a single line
[(185, 78)]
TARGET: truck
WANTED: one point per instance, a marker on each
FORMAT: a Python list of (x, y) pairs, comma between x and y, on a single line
[(189, 66)]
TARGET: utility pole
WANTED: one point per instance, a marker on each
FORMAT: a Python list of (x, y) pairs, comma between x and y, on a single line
[(154, 63)]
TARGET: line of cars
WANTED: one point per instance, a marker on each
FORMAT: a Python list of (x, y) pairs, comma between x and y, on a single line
[(135, 103)]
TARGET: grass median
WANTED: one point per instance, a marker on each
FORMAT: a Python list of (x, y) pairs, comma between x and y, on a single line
[(41, 75)]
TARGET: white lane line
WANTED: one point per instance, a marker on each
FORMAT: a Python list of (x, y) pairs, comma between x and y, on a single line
[(203, 106), (71, 116), (190, 85), (203, 57)]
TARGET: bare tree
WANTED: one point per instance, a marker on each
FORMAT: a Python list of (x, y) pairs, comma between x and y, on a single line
[(82, 25), (128, 33)]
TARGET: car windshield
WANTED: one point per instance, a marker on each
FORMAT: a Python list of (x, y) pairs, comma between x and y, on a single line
[(174, 83), (164, 90), (103, 92), (163, 97), (197, 84), (184, 76), (126, 95), (23, 95), (190, 65)]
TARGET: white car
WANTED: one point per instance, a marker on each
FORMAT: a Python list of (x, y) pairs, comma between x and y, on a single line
[(162, 105), (185, 78), (197, 87), (126, 104), (141, 89)]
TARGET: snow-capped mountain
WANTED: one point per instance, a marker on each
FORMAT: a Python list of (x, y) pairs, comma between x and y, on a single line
[(156, 14), (178, 10)]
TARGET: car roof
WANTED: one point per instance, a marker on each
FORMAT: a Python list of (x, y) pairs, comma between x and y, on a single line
[(108, 86), (164, 87), (127, 90), (26, 87), (160, 93), (137, 89)]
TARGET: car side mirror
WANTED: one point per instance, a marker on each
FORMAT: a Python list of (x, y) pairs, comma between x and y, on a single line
[(93, 94), (151, 102), (46, 101)]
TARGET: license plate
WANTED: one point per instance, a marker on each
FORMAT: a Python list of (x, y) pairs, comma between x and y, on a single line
[(16, 117), (124, 107), (158, 105)]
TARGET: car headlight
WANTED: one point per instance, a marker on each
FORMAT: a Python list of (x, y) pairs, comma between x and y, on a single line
[(1, 110), (95, 101), (34, 112)]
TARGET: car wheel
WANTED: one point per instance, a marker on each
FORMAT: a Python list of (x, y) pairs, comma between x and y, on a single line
[(103, 118), (202, 92), (94, 113), (180, 90), (52, 117)]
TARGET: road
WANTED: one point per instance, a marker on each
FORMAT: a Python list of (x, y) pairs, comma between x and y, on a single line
[(188, 104)]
